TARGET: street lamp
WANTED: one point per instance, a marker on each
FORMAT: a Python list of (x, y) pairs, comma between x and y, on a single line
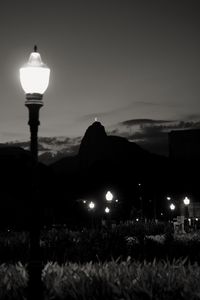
[(107, 210), (172, 206), (109, 196), (34, 78), (186, 201), (91, 205)]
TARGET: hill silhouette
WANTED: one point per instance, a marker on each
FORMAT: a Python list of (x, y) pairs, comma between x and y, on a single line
[(108, 162), (140, 180)]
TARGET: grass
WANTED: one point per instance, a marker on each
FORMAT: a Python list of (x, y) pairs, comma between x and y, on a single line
[(158, 280)]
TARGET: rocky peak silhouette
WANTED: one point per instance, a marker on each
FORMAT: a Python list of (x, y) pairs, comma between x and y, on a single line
[(93, 144), (96, 146), (94, 135)]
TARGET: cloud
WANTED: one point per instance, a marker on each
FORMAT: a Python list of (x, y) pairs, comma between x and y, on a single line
[(61, 144), (146, 103), (142, 122), (193, 117), (69, 146), (151, 134), (147, 132)]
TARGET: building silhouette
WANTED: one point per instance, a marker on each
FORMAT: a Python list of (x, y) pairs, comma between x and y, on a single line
[(184, 144)]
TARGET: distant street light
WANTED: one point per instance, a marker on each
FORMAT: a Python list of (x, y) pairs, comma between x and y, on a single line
[(91, 205), (107, 210), (186, 201), (172, 206), (34, 78), (109, 196), (168, 198)]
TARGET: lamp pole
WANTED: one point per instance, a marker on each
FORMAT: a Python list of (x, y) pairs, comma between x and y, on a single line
[(34, 103), (186, 202), (91, 206), (34, 77), (109, 198), (172, 208), (35, 289)]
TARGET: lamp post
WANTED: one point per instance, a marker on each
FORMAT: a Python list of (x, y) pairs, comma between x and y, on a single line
[(186, 202), (107, 211), (91, 206), (34, 78), (109, 198), (172, 208)]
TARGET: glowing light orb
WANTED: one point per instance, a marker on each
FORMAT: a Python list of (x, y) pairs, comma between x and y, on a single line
[(107, 210), (34, 76), (172, 206), (186, 201), (109, 196), (91, 205)]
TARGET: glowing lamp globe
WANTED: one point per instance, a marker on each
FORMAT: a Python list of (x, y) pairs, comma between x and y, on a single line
[(107, 210), (109, 196), (172, 206), (34, 76), (91, 205), (186, 201)]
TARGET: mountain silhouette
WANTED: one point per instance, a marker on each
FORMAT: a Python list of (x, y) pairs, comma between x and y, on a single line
[(93, 144), (97, 146), (108, 162), (103, 162)]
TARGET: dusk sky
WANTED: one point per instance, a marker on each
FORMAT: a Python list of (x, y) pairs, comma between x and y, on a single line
[(133, 64)]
